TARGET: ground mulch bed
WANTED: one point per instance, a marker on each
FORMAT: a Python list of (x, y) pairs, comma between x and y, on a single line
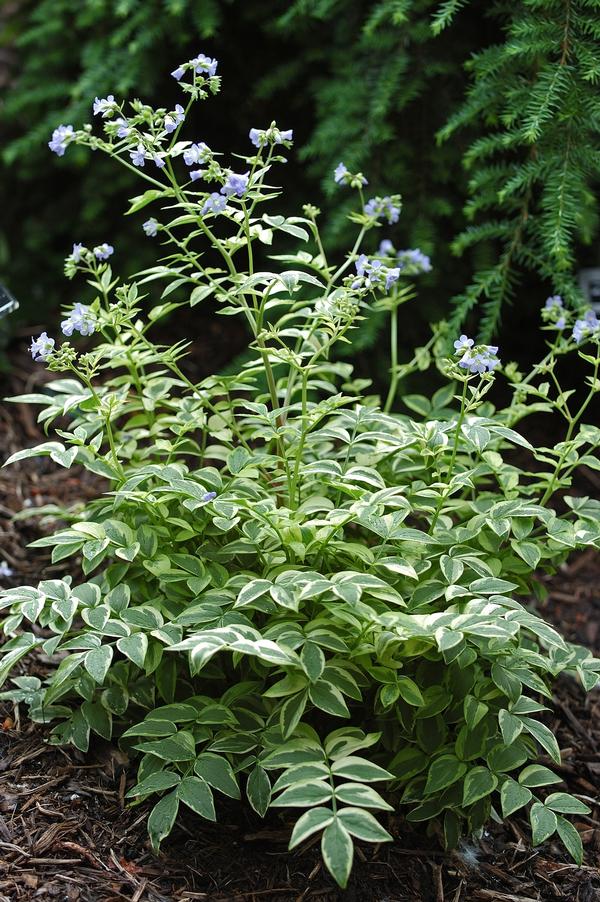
[(66, 832)]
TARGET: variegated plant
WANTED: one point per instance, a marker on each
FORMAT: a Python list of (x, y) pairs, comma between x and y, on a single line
[(287, 588)]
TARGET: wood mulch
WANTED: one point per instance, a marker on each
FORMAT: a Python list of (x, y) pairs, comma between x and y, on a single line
[(66, 833)]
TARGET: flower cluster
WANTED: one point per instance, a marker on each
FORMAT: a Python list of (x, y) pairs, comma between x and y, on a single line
[(214, 203), (105, 107), (343, 176), (175, 118), (139, 155), (411, 262), (374, 274), (384, 208), (272, 135), (477, 359), (103, 251), (553, 312), (61, 137), (42, 347), (201, 65), (236, 184), (81, 319), (586, 327), (414, 260)]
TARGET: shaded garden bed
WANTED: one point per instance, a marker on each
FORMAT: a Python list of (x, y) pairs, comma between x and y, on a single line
[(67, 834)]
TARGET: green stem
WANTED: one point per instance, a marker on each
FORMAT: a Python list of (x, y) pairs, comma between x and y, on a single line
[(393, 360), (444, 495), (574, 421)]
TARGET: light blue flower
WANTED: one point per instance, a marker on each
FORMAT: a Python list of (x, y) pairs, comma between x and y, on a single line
[(209, 496), (203, 63), (77, 252), (197, 153), (103, 251), (258, 137), (196, 174), (391, 276), (150, 227), (178, 73), (158, 161), (414, 259), (340, 172), (237, 183), (383, 208), (482, 359), (214, 203), (138, 156), (463, 344), (5, 570), (386, 248), (553, 302), (61, 137), (586, 327), (42, 347), (104, 107), (81, 319), (124, 128), (172, 120), (361, 264)]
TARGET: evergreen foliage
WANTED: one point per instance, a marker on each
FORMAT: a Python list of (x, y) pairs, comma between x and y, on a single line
[(510, 91), (533, 104)]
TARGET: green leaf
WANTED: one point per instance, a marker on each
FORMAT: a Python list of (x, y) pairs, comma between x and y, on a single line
[(218, 773), (544, 736), (329, 699), (304, 795), (565, 803), (510, 725), (528, 551), (98, 718), (570, 838), (479, 783), (151, 728), (161, 820), (443, 772), (363, 825), (97, 661), (355, 768), (291, 712), (180, 747), (537, 775), (490, 585), (338, 851), (308, 823), (158, 782), (474, 711), (142, 200), (134, 647), (258, 790), (238, 459), (302, 773), (409, 691), (312, 660), (360, 795), (195, 793), (543, 823), (513, 796)]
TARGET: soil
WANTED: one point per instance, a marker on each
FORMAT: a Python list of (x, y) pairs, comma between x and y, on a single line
[(67, 834)]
